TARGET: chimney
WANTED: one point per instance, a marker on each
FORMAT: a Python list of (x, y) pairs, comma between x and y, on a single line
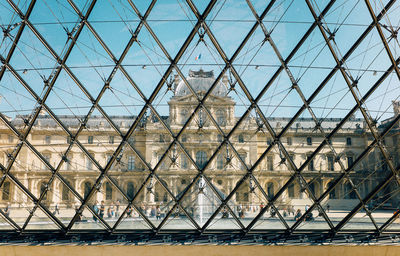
[(176, 81), (396, 107), (225, 80)]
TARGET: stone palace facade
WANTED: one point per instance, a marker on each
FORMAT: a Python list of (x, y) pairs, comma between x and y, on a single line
[(200, 139)]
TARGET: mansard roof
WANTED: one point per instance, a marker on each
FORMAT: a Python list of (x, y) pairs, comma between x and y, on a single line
[(201, 81)]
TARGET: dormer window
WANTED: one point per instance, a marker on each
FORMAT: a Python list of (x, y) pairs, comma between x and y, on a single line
[(221, 120), (184, 116), (241, 138)]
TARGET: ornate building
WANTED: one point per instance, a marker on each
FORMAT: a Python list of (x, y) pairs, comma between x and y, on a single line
[(201, 137)]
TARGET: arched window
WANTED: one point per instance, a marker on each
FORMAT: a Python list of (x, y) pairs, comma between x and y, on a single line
[(184, 116), (220, 162), (87, 188), (201, 159), (270, 189), (108, 191), (6, 191), (220, 116), (130, 190)]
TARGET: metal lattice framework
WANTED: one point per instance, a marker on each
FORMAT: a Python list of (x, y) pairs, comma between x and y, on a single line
[(379, 27)]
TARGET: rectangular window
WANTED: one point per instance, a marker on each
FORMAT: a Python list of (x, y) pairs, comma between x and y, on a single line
[(68, 140), (184, 161), (241, 138), (330, 163), (349, 161), (111, 139), (348, 141), (90, 140), (89, 164), (270, 163), (289, 141), (67, 164), (311, 164), (162, 138), (6, 191), (309, 141), (47, 139), (131, 163), (65, 193), (243, 157), (291, 190), (10, 139), (162, 165), (46, 156), (184, 138)]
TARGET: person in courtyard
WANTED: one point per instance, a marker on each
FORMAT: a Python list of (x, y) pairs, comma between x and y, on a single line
[(291, 210), (129, 212), (102, 209), (285, 214), (79, 215), (96, 210), (225, 213), (309, 217), (272, 213), (56, 210), (158, 212), (117, 204), (298, 215)]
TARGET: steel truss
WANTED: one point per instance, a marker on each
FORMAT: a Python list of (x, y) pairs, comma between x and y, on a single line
[(246, 233)]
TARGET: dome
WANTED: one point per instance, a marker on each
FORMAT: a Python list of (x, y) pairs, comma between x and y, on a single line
[(201, 81)]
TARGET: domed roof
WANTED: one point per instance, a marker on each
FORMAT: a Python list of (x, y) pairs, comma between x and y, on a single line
[(201, 81)]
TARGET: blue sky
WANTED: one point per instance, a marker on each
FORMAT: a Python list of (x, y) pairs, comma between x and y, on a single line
[(172, 21)]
